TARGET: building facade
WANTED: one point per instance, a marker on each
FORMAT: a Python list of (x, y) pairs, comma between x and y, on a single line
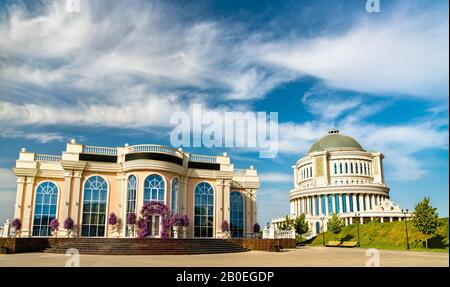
[(338, 176), (87, 183)]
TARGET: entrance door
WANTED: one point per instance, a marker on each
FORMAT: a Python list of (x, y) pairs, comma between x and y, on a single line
[(154, 226), (317, 227)]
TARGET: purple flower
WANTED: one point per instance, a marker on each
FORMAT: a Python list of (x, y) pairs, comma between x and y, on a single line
[(256, 228), (131, 218), (112, 219), (184, 220), (17, 224), (68, 223), (176, 220), (225, 226), (54, 225)]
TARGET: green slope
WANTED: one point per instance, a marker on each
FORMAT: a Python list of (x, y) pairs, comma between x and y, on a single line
[(389, 235)]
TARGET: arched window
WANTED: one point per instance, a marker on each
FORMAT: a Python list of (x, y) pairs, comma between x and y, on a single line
[(44, 208), (204, 210), (175, 187), (236, 214), (95, 198), (154, 188), (317, 227), (131, 194)]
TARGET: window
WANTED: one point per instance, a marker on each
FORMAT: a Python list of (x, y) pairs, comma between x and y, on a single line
[(204, 210), (336, 202), (311, 205), (317, 206), (357, 171), (310, 171), (370, 201), (335, 168), (346, 167), (154, 188), (175, 187), (358, 208), (131, 194), (95, 198), (324, 207), (368, 169), (236, 214), (344, 203), (351, 167), (350, 198), (340, 167), (360, 168), (365, 168), (330, 204), (44, 208), (364, 201)]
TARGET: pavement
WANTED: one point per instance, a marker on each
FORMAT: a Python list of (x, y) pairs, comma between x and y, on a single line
[(300, 257)]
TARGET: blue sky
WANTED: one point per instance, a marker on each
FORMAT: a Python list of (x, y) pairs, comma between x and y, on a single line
[(115, 72)]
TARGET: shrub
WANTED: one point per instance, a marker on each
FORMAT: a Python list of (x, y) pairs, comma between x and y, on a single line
[(256, 228), (68, 223), (131, 218), (225, 226), (112, 219), (54, 225), (17, 224)]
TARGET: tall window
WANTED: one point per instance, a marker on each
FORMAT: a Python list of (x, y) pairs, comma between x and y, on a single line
[(351, 167), (175, 187), (336, 200), (344, 202), (95, 197), (330, 204), (324, 208), (236, 214), (204, 210), (350, 199), (310, 171), (154, 188), (361, 168), (44, 208), (317, 205), (311, 205), (357, 203), (131, 194), (346, 167), (340, 167), (335, 168), (357, 171), (364, 201)]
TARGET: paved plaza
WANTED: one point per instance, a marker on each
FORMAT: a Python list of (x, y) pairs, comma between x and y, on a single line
[(300, 257)]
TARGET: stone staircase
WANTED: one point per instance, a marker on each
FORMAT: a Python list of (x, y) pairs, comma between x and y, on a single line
[(154, 246)]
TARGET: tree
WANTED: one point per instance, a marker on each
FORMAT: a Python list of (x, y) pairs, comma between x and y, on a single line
[(287, 224), (335, 224), (300, 225), (426, 219)]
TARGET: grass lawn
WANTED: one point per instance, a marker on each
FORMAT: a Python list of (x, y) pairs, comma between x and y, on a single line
[(389, 235)]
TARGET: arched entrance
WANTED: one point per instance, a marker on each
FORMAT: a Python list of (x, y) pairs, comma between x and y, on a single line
[(155, 221), (317, 227)]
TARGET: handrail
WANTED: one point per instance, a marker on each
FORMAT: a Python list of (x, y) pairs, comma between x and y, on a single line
[(47, 157), (203, 158), (100, 150)]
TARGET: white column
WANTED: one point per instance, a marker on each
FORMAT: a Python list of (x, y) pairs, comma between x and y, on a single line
[(19, 197), (64, 203), (219, 207), (76, 200), (347, 202), (255, 214), (354, 202), (367, 202), (340, 204), (333, 203), (248, 228), (27, 208), (361, 204), (373, 201), (314, 205), (226, 199), (319, 198)]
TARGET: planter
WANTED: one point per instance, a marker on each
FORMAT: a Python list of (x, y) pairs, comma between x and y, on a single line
[(184, 230), (176, 230)]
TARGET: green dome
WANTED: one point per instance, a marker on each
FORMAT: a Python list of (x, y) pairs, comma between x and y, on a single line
[(335, 141)]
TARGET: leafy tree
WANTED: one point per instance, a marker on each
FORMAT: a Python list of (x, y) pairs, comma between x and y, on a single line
[(287, 224), (335, 224), (426, 219), (300, 225)]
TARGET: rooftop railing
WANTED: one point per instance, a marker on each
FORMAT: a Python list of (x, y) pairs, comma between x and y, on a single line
[(100, 150), (48, 158), (203, 158), (155, 148)]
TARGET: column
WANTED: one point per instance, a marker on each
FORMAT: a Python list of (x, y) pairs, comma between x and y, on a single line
[(347, 201), (354, 203), (65, 200), (18, 208), (373, 201), (341, 210), (183, 195), (361, 204), (333, 203), (307, 207), (255, 214), (26, 223), (314, 205), (219, 207), (226, 200), (248, 227), (76, 200), (382, 219), (319, 197), (350, 220), (367, 202)]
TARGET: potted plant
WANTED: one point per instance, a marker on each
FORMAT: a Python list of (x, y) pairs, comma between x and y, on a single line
[(257, 230), (225, 229), (131, 222), (54, 226), (68, 226), (17, 226), (176, 224), (112, 221), (184, 220)]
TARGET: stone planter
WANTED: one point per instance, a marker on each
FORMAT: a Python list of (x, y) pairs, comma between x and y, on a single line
[(176, 230), (184, 231)]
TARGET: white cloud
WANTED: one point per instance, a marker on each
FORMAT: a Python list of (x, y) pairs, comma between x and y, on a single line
[(276, 177), (406, 55)]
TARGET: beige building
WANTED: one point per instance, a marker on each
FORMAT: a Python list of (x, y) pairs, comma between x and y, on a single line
[(88, 183), (338, 176)]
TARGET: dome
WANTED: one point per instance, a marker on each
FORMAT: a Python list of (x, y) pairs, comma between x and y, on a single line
[(335, 141)]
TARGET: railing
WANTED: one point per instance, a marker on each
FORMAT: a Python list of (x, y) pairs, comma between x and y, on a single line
[(100, 150), (155, 148), (49, 158), (240, 171), (203, 158), (285, 234)]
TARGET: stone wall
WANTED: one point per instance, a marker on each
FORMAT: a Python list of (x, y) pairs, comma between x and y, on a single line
[(271, 245)]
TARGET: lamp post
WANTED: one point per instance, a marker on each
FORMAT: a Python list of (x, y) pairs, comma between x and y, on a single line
[(323, 230), (357, 215), (405, 212)]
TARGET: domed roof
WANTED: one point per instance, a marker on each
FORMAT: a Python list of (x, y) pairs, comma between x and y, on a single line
[(335, 141)]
